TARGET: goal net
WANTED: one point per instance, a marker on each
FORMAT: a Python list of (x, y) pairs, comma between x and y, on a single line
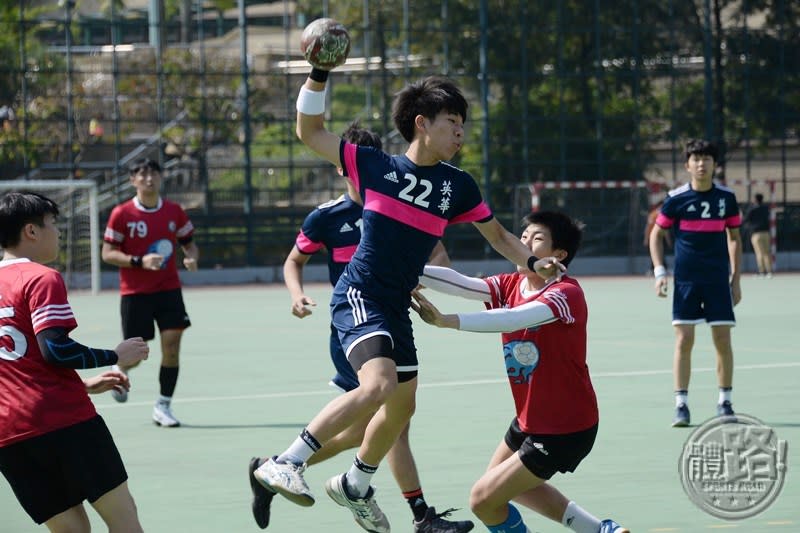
[(614, 212), (79, 256)]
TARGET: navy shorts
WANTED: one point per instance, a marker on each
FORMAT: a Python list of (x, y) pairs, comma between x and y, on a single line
[(693, 303), (139, 311), (544, 455), (56, 471), (345, 378), (368, 329)]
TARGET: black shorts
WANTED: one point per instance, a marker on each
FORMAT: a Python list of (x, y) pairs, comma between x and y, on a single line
[(544, 455), (140, 310), (56, 471)]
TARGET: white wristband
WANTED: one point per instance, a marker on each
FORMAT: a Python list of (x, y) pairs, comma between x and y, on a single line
[(660, 271), (311, 102)]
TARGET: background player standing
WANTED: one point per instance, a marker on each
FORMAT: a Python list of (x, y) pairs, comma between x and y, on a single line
[(55, 450), (544, 347), (708, 256), (141, 238)]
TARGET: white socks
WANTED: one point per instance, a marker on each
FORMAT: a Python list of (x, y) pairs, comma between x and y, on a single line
[(578, 520)]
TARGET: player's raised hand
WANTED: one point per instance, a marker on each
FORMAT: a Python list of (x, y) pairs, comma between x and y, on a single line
[(110, 379), (300, 307), (131, 351), (430, 314)]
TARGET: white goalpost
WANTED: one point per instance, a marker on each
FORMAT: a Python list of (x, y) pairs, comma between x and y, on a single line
[(79, 257)]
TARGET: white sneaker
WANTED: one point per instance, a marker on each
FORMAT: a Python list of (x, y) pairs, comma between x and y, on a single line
[(162, 416), (120, 395), (286, 479), (365, 510)]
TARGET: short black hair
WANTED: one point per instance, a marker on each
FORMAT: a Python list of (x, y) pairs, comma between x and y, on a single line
[(565, 232), (362, 136), (759, 197), (141, 164), (427, 97), (701, 147), (20, 208)]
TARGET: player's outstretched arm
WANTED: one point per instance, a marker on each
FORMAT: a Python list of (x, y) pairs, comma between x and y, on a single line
[(293, 279), (59, 349), (449, 281), (430, 314), (510, 247)]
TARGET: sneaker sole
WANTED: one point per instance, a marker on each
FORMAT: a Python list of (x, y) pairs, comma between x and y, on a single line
[(339, 499), (303, 500), (159, 424), (680, 424), (262, 497)]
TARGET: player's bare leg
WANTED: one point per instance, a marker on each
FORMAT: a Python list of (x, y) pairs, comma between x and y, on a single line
[(73, 520), (721, 335), (118, 510), (346, 440), (681, 372)]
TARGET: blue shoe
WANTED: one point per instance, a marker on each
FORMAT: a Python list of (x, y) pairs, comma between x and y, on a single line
[(609, 526), (682, 417)]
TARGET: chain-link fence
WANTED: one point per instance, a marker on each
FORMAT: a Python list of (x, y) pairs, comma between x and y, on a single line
[(559, 91)]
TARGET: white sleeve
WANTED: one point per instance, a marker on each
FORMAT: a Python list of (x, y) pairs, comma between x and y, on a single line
[(505, 320), (448, 281)]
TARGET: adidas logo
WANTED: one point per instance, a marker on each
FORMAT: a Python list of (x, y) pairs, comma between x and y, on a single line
[(345, 228), (539, 446), (691, 209), (391, 176)]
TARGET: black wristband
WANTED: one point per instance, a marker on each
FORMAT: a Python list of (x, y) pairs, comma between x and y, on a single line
[(317, 74), (136, 261), (531, 260)]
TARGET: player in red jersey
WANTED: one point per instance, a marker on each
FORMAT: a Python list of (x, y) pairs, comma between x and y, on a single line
[(544, 345), (141, 238), (55, 450)]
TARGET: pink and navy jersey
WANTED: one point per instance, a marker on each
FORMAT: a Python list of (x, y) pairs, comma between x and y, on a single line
[(406, 210), (336, 226), (700, 221), (139, 230), (36, 397), (546, 365)]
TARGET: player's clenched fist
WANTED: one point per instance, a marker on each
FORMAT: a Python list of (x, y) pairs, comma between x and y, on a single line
[(131, 351)]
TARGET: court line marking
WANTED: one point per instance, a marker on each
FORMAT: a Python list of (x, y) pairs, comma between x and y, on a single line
[(331, 391)]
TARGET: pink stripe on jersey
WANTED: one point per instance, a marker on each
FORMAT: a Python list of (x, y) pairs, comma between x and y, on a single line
[(734, 222), (664, 221), (479, 212), (344, 254), (306, 245), (702, 226), (404, 213), (349, 163)]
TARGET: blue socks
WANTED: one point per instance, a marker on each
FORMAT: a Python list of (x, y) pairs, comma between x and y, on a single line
[(513, 523)]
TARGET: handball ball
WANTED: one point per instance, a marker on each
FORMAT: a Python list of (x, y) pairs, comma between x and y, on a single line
[(325, 43)]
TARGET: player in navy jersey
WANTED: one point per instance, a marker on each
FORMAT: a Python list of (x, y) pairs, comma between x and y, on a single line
[(142, 238), (55, 450), (336, 226), (409, 200), (543, 322), (705, 219)]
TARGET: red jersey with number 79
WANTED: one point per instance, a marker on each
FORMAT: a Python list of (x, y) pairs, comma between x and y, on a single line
[(139, 230)]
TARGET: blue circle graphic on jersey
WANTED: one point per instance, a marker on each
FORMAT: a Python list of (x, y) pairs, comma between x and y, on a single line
[(162, 247), (521, 358)]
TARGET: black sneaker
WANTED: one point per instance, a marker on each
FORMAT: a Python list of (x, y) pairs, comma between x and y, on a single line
[(434, 522), (682, 418), (725, 409), (262, 498)]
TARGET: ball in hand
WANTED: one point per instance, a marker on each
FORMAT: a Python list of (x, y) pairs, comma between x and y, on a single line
[(325, 44)]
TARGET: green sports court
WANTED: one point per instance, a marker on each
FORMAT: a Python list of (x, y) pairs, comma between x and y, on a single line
[(253, 375)]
